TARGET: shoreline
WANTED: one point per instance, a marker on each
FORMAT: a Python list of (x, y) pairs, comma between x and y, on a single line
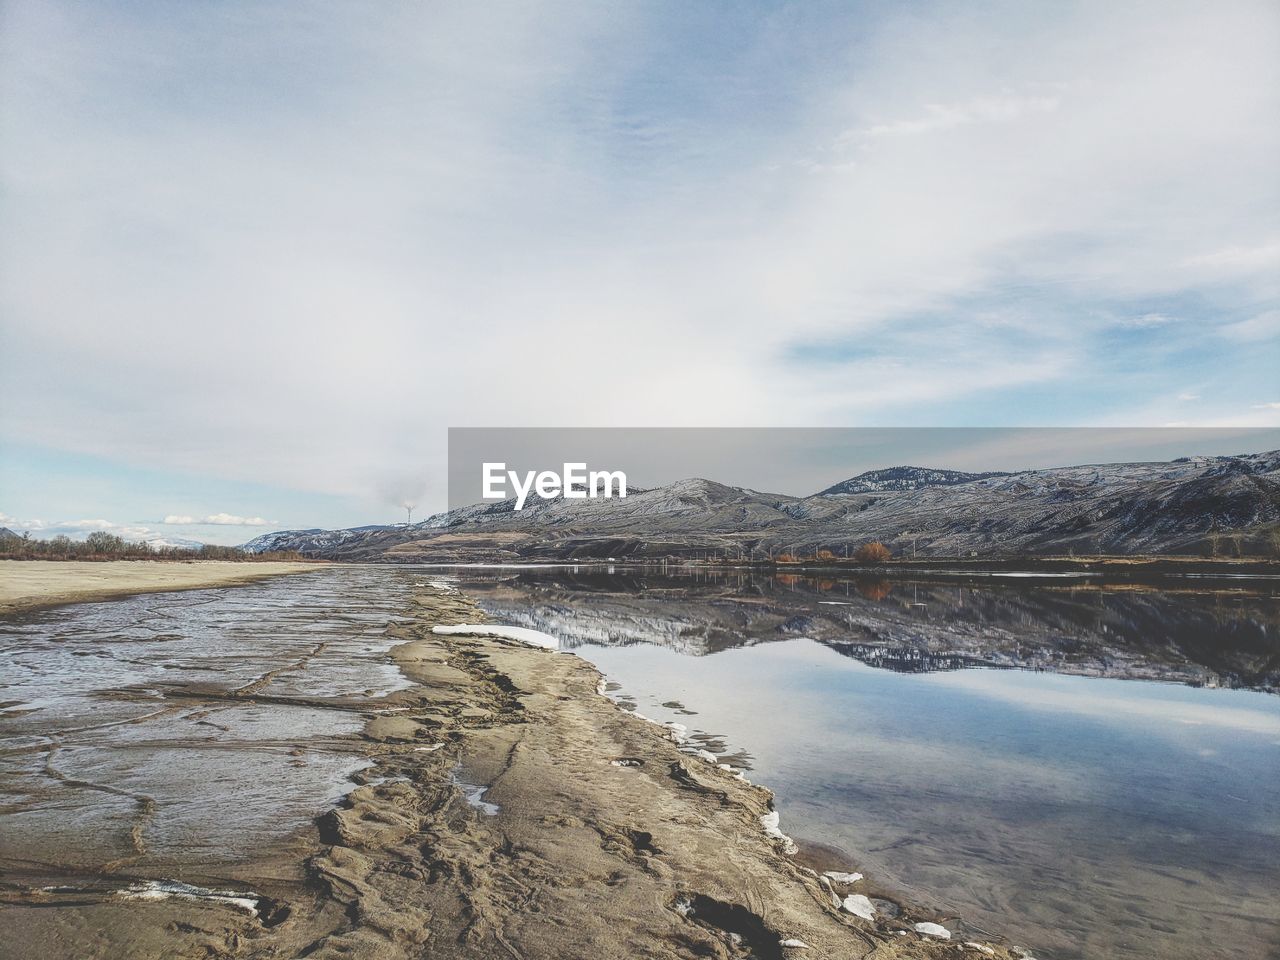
[(37, 584), (510, 808), (1164, 573), (703, 816)]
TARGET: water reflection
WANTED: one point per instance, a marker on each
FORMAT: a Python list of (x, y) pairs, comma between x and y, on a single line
[(1203, 638), (996, 751)]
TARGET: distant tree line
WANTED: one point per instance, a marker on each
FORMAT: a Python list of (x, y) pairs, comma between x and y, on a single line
[(101, 545), (868, 553)]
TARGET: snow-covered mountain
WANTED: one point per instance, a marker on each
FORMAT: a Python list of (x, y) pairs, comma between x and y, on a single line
[(174, 543), (313, 541), (903, 478), (1222, 505)]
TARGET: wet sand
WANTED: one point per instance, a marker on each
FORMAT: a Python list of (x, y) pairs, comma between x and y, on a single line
[(30, 584), (511, 809)]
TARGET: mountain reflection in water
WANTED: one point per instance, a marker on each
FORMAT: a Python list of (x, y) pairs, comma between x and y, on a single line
[(1202, 638), (1053, 794)]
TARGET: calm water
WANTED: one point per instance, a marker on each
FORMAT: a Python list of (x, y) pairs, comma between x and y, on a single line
[(1092, 773)]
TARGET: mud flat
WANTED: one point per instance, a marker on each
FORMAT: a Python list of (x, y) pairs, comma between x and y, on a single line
[(511, 809), (30, 584)]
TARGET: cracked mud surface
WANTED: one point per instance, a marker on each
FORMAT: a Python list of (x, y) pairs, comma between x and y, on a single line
[(587, 832)]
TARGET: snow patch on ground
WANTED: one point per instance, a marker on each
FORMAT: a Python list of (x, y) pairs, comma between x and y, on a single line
[(474, 793), (933, 930), (859, 906), (701, 754), (770, 823), (152, 890), (534, 638), (837, 877)]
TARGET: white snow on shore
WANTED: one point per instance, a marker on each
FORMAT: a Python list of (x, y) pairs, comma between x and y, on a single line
[(838, 877), (534, 638), (770, 823), (859, 906), (933, 930), (173, 889)]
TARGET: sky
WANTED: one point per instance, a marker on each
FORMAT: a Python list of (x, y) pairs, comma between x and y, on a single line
[(256, 258)]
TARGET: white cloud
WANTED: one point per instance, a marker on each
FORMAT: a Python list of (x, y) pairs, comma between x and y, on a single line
[(234, 521), (218, 519), (1256, 257), (1275, 405), (79, 529), (370, 228), (944, 116), (1147, 321), (1188, 397), (1265, 326)]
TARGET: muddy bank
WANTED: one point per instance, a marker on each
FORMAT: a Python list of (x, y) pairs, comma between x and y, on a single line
[(31, 584), (511, 810)]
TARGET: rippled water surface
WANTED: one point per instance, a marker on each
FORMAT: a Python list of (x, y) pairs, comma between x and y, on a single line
[(1094, 773), (125, 736)]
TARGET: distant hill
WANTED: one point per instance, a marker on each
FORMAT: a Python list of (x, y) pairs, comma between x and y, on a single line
[(1195, 505), (176, 543), (314, 542), (7, 534), (903, 478)]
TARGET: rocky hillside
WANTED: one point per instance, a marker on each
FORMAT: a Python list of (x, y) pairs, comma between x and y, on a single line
[(1197, 505), (904, 478)]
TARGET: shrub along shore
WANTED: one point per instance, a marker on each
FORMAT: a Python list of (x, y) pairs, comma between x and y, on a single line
[(100, 545)]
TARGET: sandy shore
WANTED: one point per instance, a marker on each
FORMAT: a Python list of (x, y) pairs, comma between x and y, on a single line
[(26, 584), (512, 811)]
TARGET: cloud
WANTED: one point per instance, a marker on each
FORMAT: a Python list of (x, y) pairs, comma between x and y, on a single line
[(1187, 397), (1147, 321), (79, 529), (1274, 405), (368, 229), (944, 116), (1260, 256), (1264, 326), (218, 519)]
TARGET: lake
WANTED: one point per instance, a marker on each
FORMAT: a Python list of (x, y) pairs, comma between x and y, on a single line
[(1089, 772)]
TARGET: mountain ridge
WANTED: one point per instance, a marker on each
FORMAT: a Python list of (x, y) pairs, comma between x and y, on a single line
[(905, 478), (1192, 505)]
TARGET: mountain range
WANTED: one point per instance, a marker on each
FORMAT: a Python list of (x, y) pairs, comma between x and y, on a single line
[(1227, 505)]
